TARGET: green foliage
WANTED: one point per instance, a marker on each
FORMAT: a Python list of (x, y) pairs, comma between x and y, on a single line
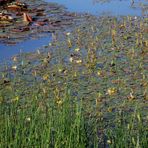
[(81, 92)]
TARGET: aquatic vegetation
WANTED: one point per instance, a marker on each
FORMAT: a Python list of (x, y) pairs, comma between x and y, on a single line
[(87, 88), (22, 20)]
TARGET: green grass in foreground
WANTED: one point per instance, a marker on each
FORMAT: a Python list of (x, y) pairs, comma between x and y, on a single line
[(63, 123)]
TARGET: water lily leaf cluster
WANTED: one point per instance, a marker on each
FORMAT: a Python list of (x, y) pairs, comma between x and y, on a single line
[(23, 20)]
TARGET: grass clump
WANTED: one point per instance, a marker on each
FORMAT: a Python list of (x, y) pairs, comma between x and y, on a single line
[(65, 123), (128, 131), (60, 123)]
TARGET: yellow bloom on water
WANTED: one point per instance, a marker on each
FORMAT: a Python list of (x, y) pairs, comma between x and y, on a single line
[(45, 77), (14, 67), (78, 61), (77, 49), (111, 91)]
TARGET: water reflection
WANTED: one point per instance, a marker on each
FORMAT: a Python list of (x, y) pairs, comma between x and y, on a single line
[(97, 7), (6, 51)]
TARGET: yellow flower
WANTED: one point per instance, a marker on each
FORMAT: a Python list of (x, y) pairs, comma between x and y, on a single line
[(77, 49), (34, 73), (109, 141), (71, 59), (45, 77), (111, 91), (15, 99), (14, 67), (99, 73), (68, 33), (28, 119), (131, 96), (145, 43), (78, 61), (59, 102), (60, 69)]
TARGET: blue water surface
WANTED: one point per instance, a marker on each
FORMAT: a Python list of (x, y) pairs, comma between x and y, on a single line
[(112, 7), (7, 51)]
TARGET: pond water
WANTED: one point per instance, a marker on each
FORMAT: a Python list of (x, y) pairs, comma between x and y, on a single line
[(97, 7), (7, 51), (113, 7)]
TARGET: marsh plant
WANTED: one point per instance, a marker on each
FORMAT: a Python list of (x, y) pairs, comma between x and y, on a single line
[(87, 88)]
